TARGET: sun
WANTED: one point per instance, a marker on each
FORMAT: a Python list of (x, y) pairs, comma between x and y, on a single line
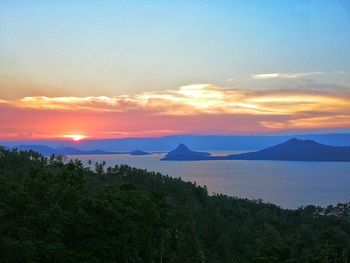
[(74, 137)]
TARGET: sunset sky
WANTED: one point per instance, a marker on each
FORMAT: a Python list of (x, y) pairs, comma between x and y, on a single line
[(111, 69)]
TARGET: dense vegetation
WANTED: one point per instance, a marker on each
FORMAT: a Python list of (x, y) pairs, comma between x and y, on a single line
[(56, 211)]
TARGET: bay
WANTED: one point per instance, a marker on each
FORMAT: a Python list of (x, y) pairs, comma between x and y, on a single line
[(284, 183)]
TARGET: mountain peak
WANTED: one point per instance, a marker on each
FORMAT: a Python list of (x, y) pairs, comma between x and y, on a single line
[(301, 141), (182, 146)]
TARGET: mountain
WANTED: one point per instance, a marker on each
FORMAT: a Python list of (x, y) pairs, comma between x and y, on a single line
[(43, 149), (182, 153), (291, 150), (298, 150), (198, 142), (46, 150)]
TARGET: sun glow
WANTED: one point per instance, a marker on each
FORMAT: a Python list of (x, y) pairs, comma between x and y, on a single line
[(74, 137)]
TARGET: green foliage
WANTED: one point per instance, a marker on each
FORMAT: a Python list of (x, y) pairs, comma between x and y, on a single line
[(57, 211)]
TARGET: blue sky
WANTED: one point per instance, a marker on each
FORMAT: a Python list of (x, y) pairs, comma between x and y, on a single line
[(118, 47)]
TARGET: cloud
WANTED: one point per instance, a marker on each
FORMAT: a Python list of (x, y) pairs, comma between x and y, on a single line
[(281, 75), (312, 122), (199, 108), (195, 99)]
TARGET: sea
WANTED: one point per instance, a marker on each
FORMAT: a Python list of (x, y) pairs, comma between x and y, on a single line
[(288, 184)]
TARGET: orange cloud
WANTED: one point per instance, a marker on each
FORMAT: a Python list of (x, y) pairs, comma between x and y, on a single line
[(201, 108), (194, 99)]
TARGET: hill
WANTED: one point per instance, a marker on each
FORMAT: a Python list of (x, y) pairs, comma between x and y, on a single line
[(292, 150), (47, 151), (182, 153), (52, 211), (298, 150), (198, 142)]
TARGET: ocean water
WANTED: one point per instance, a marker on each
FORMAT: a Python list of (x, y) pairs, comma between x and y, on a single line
[(287, 184)]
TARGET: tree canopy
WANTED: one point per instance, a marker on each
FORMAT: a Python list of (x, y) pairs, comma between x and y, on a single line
[(53, 210)]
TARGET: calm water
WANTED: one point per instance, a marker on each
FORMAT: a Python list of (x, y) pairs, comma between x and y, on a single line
[(288, 184)]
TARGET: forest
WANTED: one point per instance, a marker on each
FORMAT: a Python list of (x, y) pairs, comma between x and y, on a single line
[(57, 210)]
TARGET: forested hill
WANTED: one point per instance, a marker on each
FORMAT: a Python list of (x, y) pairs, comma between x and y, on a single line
[(53, 211)]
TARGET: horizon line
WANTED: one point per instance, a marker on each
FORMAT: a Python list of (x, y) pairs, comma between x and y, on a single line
[(174, 135)]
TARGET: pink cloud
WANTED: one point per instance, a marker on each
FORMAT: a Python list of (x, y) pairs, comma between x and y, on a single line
[(202, 109)]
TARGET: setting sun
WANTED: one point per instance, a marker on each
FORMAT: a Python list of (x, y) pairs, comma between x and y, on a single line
[(74, 137)]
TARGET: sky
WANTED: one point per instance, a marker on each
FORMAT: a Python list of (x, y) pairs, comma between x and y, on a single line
[(111, 69)]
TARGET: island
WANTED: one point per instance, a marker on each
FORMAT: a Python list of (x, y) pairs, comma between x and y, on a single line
[(139, 152), (291, 150), (182, 153)]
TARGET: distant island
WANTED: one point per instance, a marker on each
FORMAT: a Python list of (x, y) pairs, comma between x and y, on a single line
[(182, 153), (291, 150), (46, 150), (139, 152), (199, 142)]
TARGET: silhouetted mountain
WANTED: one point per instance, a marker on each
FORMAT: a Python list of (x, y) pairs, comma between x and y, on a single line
[(298, 150), (46, 150), (198, 142), (138, 152), (182, 153), (292, 150)]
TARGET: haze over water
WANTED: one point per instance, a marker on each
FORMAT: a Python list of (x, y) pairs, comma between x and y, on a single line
[(287, 184)]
